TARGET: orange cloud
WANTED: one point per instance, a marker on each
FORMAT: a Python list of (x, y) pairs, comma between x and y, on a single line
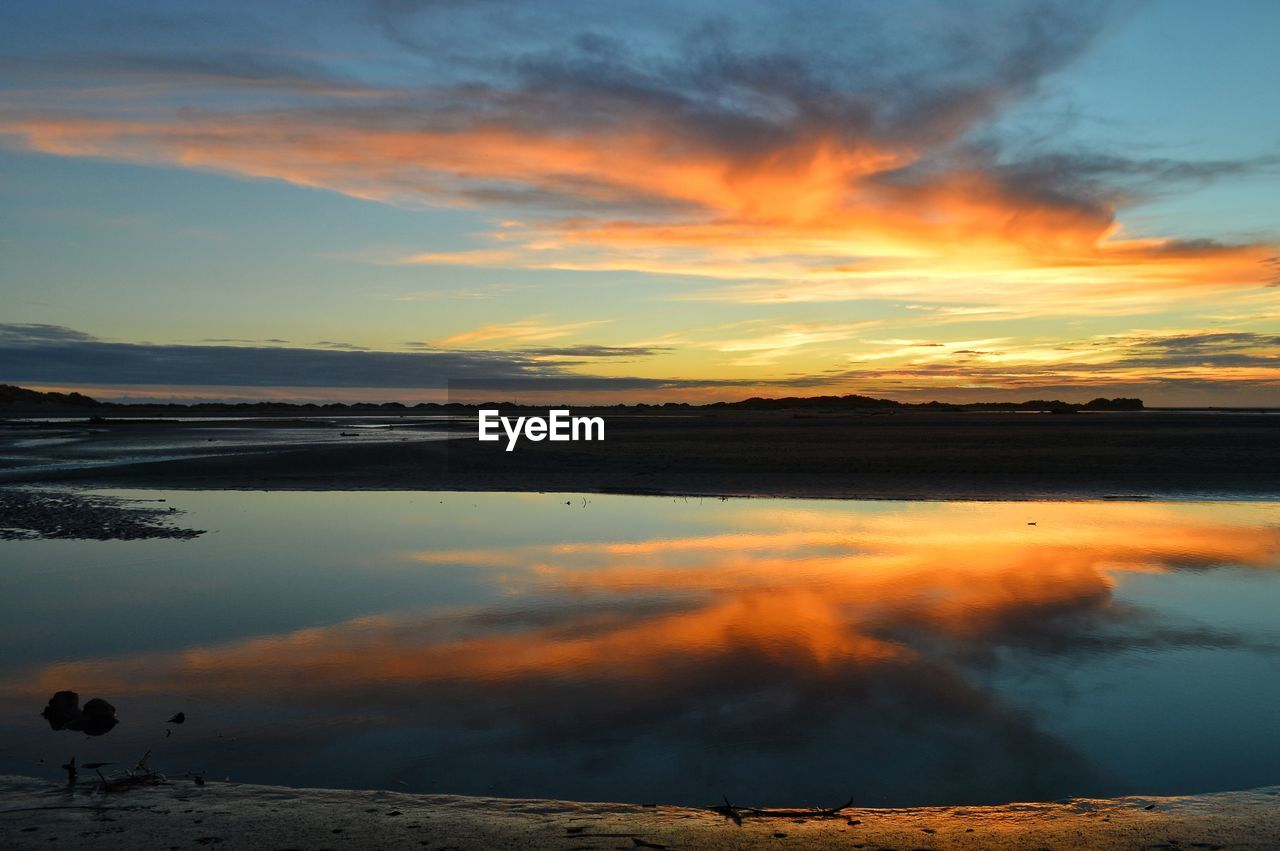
[(532, 330), (823, 215)]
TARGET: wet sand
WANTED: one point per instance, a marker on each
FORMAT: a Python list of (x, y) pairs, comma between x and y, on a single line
[(179, 814), (894, 455)]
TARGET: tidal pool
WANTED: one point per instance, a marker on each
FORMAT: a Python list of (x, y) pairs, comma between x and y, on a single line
[(649, 649)]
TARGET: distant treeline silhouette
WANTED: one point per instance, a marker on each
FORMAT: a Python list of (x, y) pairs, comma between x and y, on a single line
[(12, 398), (854, 402)]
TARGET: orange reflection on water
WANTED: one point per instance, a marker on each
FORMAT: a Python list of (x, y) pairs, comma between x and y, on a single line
[(825, 590)]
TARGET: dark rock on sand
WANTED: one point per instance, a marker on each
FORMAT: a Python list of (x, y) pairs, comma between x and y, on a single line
[(97, 718)]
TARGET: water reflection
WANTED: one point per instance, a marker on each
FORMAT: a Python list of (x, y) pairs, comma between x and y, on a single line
[(788, 653)]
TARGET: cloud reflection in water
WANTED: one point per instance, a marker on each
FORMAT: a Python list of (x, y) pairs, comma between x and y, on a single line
[(793, 654)]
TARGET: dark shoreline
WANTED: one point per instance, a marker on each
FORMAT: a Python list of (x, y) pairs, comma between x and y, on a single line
[(898, 455)]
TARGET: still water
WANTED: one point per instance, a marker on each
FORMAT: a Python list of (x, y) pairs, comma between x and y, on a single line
[(646, 649)]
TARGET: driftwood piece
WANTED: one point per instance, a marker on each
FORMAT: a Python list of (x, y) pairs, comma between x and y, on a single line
[(737, 814)]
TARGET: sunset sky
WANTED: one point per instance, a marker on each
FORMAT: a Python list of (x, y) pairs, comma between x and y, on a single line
[(618, 201)]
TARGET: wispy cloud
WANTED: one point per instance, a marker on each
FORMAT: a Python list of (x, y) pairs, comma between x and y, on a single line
[(1161, 361), (595, 352), (768, 346), (532, 330), (30, 334), (332, 344)]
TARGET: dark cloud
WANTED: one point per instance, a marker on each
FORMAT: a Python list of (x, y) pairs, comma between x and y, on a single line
[(1104, 178), (243, 340), (331, 344), (1093, 164), (31, 334), (52, 354), (750, 74), (1225, 348), (55, 354)]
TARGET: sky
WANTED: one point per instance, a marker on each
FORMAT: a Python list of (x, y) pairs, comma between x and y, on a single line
[(407, 200)]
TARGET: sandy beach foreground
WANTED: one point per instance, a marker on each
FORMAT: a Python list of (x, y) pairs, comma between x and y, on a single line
[(39, 814)]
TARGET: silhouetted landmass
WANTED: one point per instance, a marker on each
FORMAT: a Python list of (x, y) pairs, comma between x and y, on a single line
[(833, 446), (19, 401), (11, 396), (896, 454), (854, 402)]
